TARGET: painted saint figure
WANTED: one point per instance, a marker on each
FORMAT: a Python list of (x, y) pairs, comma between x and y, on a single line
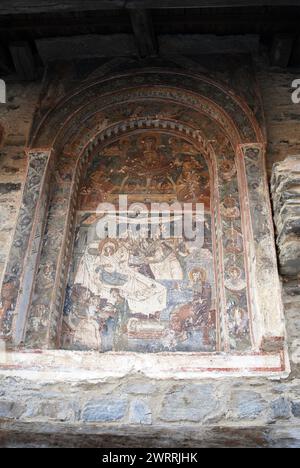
[(198, 313), (234, 280), (111, 269)]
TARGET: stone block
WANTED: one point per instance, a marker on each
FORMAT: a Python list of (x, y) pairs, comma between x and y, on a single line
[(106, 410), (296, 409), (7, 188), (247, 405), (140, 412), (281, 409), (11, 409), (139, 388), (52, 410), (193, 403)]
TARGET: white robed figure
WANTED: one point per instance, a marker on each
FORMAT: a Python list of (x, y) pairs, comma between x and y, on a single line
[(87, 331), (110, 270)]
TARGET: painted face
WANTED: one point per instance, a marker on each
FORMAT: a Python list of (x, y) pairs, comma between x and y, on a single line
[(230, 202), (235, 273), (227, 166), (108, 251), (149, 143), (196, 277)]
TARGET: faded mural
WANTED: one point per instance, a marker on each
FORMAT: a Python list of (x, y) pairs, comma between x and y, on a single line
[(150, 294), (154, 138), (159, 294)]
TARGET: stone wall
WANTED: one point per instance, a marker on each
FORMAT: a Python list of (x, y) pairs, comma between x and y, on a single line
[(282, 116), (15, 118), (152, 406), (282, 120), (136, 411)]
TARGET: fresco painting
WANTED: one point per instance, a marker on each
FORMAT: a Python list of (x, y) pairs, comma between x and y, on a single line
[(150, 294), (159, 293), (235, 280)]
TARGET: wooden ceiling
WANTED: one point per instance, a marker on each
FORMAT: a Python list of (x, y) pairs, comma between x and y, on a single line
[(30, 30), (37, 6)]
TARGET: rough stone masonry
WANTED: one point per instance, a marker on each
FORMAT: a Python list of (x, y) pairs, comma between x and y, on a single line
[(136, 410)]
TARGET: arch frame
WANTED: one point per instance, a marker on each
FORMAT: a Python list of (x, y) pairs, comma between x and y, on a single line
[(268, 326)]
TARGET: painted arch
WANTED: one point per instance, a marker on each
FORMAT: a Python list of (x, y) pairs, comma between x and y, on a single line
[(80, 129)]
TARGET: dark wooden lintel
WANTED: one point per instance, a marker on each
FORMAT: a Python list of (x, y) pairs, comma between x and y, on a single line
[(144, 32), (23, 60), (10, 7)]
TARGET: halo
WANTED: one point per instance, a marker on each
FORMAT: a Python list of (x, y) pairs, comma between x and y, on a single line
[(230, 201), (108, 243), (233, 269), (203, 274)]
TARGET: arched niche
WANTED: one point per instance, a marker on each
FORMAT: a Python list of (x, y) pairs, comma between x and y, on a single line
[(210, 118), (145, 287)]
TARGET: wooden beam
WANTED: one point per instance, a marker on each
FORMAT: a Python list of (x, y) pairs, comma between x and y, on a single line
[(14, 7), (295, 58), (202, 44), (123, 45), (144, 32), (86, 46), (5, 63), (23, 60), (281, 50), (163, 4)]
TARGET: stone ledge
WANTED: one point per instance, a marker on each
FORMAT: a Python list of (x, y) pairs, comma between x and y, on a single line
[(18, 434)]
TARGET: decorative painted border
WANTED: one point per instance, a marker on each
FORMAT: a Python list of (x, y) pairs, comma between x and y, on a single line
[(60, 127), (75, 366)]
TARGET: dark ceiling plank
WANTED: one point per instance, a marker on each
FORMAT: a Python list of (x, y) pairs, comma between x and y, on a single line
[(281, 50), (207, 3), (144, 32), (5, 65), (44, 6), (86, 47), (38, 6), (295, 58), (123, 45), (202, 44), (23, 60)]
